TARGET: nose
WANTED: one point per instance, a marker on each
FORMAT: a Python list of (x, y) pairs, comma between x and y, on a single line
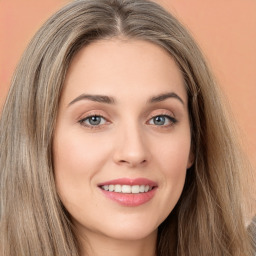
[(131, 148)]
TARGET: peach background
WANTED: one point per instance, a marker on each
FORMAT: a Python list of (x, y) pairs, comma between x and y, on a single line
[(225, 30)]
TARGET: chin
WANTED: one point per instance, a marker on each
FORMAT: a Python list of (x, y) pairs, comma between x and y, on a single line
[(131, 229), (131, 234)]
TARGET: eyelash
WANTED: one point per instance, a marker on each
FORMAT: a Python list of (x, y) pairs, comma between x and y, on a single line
[(171, 119), (90, 126)]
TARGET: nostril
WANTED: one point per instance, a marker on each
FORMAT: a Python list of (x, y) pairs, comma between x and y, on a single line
[(132, 162)]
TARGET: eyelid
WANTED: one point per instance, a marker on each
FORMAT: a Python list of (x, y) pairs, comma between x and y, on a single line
[(161, 112), (171, 119), (165, 113), (92, 114), (155, 113)]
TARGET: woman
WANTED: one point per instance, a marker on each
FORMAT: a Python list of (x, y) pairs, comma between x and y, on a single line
[(114, 141)]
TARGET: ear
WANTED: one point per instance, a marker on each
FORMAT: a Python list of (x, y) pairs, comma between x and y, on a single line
[(191, 159)]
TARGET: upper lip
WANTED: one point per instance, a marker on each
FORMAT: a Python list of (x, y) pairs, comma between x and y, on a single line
[(129, 181)]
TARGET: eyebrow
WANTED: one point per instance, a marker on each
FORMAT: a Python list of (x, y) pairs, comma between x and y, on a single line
[(165, 96), (96, 98), (111, 100)]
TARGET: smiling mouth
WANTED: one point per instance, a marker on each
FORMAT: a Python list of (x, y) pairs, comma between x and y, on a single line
[(129, 192), (127, 189)]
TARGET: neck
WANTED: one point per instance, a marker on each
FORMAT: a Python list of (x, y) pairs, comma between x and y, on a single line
[(97, 245)]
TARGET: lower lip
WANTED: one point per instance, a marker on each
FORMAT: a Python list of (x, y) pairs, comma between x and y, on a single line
[(130, 199)]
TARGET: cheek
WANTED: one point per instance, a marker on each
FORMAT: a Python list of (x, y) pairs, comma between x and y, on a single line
[(75, 164), (76, 154), (77, 160), (174, 155), (174, 172), (173, 158)]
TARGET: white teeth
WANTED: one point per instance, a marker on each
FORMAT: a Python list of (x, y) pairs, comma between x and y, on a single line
[(105, 187), (118, 188), (111, 188), (135, 189), (142, 188), (127, 189)]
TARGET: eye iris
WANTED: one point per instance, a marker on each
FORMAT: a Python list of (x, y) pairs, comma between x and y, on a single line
[(94, 120), (159, 120)]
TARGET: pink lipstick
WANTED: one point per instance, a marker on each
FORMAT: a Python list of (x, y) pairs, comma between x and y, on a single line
[(129, 192)]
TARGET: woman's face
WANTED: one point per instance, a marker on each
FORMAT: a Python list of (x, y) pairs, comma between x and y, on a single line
[(122, 139)]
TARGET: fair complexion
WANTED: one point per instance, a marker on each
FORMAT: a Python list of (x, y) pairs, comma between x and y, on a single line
[(122, 120)]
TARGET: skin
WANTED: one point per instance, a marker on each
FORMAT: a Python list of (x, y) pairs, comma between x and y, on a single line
[(128, 142)]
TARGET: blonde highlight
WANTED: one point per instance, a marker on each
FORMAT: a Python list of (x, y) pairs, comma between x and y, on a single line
[(208, 219)]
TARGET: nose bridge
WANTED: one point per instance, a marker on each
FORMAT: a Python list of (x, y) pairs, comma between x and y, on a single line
[(131, 146)]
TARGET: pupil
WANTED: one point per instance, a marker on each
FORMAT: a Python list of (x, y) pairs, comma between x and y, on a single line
[(95, 120), (159, 120)]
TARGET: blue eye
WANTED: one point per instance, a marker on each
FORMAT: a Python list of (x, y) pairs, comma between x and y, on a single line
[(162, 120), (93, 121)]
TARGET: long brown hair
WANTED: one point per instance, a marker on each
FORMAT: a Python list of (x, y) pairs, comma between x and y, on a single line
[(208, 218)]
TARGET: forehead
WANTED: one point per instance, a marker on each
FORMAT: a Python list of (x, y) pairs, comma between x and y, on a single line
[(124, 68)]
